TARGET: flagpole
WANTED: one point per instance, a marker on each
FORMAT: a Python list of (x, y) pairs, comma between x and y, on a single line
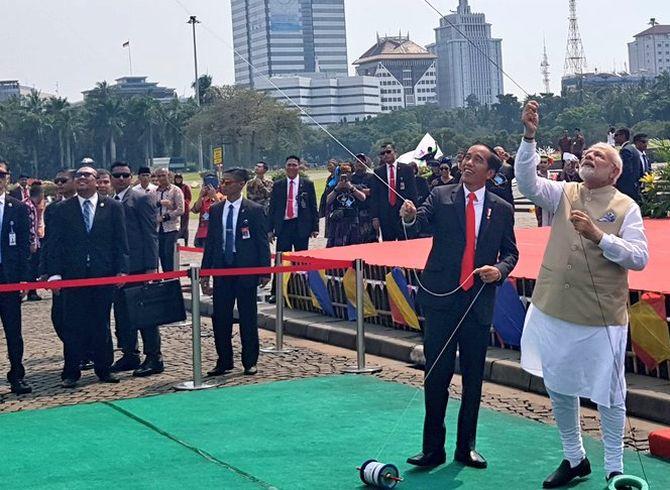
[(130, 59)]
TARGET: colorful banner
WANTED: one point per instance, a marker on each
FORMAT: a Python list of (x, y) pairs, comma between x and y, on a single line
[(509, 314), (400, 301), (349, 283), (649, 330), (319, 292), (286, 277)]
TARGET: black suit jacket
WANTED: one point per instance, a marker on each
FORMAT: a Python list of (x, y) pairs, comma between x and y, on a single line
[(46, 252), (405, 185), (444, 214), (142, 231), (17, 193), (15, 257), (308, 213), (249, 252), (77, 254), (629, 181)]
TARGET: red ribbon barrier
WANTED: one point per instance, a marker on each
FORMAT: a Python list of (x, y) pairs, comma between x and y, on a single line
[(94, 281), (310, 265), (190, 249)]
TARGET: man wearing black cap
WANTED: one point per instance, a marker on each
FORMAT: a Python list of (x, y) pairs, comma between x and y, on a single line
[(237, 237), (144, 177), (21, 191)]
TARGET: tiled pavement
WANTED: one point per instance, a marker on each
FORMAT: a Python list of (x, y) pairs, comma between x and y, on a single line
[(43, 362)]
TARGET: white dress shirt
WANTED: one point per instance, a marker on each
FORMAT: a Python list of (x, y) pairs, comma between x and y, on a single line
[(224, 218), (296, 184), (478, 204), (122, 193), (573, 359), (150, 188), (94, 202)]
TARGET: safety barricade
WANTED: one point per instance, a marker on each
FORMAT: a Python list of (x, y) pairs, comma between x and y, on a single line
[(299, 264)]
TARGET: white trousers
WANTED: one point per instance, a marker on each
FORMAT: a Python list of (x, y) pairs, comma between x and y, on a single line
[(612, 425)]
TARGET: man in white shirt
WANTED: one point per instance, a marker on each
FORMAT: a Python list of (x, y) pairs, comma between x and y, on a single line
[(576, 327), (144, 177)]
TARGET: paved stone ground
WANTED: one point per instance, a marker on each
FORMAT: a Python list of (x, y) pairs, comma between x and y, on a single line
[(43, 362)]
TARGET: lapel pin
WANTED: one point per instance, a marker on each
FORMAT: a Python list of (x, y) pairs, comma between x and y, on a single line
[(488, 213), (9, 204), (102, 204)]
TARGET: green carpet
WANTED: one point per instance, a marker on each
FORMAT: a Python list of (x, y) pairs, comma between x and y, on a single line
[(309, 433)]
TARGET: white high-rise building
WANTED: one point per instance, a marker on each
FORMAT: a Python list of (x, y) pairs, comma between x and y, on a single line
[(288, 37), (649, 54), (463, 70)]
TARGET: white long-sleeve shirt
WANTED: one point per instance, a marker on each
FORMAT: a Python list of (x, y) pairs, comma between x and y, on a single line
[(629, 250)]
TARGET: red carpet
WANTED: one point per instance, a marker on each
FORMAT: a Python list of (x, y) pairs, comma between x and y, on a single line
[(412, 254)]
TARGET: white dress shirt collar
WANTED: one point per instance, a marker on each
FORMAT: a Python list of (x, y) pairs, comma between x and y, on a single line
[(478, 205), (93, 199), (479, 194), (2, 198), (122, 193)]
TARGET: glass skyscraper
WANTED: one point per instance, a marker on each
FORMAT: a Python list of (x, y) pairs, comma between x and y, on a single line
[(464, 72), (288, 37)]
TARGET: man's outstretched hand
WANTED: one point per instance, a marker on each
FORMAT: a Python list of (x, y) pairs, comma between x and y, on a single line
[(530, 118)]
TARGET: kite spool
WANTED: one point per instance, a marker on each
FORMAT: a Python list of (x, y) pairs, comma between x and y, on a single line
[(379, 475), (627, 482)]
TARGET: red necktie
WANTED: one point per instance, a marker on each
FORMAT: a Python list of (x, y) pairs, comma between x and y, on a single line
[(392, 195), (468, 262), (289, 201)]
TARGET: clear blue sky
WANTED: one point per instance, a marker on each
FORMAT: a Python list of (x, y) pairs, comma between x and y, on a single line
[(71, 44)]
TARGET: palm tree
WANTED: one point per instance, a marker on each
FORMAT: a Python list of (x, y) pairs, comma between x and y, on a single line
[(59, 110), (34, 122)]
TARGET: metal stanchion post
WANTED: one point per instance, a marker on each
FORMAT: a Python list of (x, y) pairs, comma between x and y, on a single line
[(176, 257), (196, 384), (279, 312), (360, 367)]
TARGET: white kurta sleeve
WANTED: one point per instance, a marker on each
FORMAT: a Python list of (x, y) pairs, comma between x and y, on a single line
[(630, 250), (543, 192)]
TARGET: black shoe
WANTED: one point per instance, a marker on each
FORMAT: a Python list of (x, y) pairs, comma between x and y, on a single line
[(20, 387), (86, 365), (612, 475), (125, 363), (471, 458), (250, 371), (564, 474), (68, 383), (108, 378), (33, 296), (272, 299), (435, 458), (149, 366), (219, 370)]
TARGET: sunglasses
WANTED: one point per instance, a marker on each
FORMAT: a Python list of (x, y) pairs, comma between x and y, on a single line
[(3, 174), (61, 181), (121, 175), (84, 175), (445, 168), (385, 152)]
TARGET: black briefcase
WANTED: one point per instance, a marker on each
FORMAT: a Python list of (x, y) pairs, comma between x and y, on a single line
[(154, 303)]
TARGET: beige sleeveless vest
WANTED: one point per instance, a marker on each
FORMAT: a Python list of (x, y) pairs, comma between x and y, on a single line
[(567, 284)]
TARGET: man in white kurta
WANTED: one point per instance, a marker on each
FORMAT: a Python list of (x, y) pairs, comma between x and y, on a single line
[(576, 327)]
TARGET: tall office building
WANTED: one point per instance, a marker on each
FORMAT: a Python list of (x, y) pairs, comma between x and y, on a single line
[(288, 37), (464, 70), (649, 54)]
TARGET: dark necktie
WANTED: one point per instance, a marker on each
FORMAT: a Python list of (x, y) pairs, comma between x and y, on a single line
[(229, 246), (468, 262)]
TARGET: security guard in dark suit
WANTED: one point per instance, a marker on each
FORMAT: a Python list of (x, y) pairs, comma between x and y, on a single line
[(89, 241), (237, 237), (14, 253)]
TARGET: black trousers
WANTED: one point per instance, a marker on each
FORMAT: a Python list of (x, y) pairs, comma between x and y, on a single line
[(472, 341), (10, 314), (126, 333), (86, 328), (390, 225), (166, 244), (290, 241), (228, 290), (58, 315)]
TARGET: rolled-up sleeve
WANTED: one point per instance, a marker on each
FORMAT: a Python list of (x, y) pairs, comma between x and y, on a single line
[(630, 250), (542, 192)]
